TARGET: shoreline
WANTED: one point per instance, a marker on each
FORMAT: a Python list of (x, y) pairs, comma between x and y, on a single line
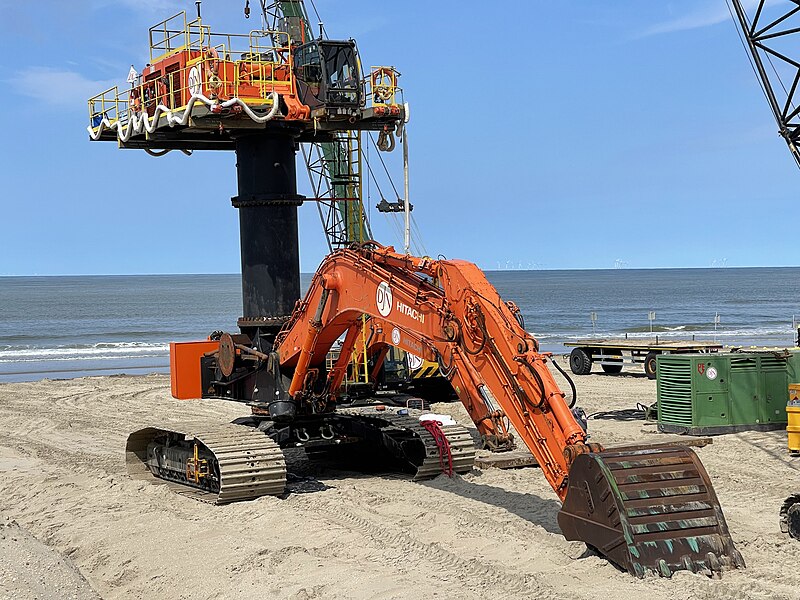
[(72, 368)]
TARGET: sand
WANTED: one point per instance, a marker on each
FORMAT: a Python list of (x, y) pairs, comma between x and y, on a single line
[(491, 533)]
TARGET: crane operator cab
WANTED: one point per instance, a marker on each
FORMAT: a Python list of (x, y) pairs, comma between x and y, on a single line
[(327, 74)]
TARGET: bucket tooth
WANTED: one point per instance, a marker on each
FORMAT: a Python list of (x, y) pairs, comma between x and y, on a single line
[(648, 509)]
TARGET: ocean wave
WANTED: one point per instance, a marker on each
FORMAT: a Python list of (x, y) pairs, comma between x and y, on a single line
[(694, 327), (744, 333), (99, 351)]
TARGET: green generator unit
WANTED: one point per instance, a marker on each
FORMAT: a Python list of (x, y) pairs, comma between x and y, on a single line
[(709, 394)]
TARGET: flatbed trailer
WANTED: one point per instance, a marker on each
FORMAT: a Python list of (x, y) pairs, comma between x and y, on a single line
[(612, 354)]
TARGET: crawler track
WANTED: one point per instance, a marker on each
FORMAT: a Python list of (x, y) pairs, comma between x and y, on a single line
[(462, 448), (249, 464)]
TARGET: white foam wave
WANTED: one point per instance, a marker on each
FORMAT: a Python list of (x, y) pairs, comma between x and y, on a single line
[(757, 333), (99, 351), (754, 333)]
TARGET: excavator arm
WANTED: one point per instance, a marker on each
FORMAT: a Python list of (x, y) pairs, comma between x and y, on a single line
[(444, 311), (646, 508)]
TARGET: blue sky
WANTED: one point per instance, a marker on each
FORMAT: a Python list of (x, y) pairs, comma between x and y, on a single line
[(557, 135)]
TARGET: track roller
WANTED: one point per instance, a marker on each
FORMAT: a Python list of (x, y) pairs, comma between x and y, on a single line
[(218, 464), (400, 432)]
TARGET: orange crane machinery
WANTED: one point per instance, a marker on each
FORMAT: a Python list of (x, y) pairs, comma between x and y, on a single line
[(646, 508), (260, 94)]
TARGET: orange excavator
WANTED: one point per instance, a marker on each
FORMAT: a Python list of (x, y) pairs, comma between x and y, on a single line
[(646, 508)]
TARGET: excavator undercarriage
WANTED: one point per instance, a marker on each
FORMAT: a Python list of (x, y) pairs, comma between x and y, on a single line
[(243, 460)]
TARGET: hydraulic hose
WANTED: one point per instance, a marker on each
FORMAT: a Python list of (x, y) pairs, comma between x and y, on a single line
[(136, 124), (447, 371), (569, 380), (540, 383), (484, 336)]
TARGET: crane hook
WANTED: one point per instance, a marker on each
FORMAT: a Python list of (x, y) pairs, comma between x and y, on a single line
[(247, 9)]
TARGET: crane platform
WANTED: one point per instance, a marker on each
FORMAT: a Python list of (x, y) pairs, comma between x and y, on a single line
[(202, 89), (612, 353)]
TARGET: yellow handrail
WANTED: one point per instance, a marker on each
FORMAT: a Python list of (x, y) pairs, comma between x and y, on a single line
[(243, 60)]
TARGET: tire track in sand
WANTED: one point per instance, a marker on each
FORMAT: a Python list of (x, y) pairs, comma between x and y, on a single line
[(485, 575)]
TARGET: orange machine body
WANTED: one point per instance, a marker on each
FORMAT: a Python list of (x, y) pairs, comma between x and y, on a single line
[(185, 377), (647, 508), (172, 80), (445, 311)]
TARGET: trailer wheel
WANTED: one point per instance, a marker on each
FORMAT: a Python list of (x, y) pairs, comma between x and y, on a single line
[(615, 368), (650, 365), (579, 362)]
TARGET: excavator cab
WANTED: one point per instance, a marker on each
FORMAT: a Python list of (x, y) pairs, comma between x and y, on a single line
[(327, 74)]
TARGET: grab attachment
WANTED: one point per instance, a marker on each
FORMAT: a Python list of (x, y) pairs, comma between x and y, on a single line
[(648, 509)]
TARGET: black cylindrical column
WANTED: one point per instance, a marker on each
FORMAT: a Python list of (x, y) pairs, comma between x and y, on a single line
[(267, 203)]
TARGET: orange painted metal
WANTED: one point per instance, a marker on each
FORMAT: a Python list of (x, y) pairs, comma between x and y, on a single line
[(184, 367), (250, 81), (445, 310)]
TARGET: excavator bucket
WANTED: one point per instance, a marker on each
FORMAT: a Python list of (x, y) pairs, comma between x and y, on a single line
[(648, 509)]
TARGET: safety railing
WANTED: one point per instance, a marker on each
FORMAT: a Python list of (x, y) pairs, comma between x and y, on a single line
[(382, 88), (175, 34), (107, 105), (217, 67)]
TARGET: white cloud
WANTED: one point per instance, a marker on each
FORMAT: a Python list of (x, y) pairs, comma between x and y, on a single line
[(56, 87), (705, 16)]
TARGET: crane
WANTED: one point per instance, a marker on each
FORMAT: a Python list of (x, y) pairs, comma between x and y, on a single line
[(646, 508), (333, 166), (765, 40)]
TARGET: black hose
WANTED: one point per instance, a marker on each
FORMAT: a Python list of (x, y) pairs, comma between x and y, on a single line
[(446, 372), (626, 414), (539, 381), (569, 380), (484, 336)]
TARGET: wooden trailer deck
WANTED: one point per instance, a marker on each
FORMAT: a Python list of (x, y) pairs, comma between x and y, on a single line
[(612, 354)]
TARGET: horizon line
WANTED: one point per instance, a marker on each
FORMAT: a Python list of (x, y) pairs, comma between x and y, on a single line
[(709, 268)]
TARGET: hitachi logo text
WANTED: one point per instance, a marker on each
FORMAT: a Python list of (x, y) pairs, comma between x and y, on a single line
[(411, 312)]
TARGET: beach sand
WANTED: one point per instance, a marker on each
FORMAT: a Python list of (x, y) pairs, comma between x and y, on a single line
[(491, 533)]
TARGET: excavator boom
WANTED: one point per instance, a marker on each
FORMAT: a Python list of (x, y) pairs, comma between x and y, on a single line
[(647, 508)]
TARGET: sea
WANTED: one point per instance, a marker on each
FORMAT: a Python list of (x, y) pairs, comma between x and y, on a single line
[(63, 327)]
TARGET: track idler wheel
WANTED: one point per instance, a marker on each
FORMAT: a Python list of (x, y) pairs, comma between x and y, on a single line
[(648, 509)]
